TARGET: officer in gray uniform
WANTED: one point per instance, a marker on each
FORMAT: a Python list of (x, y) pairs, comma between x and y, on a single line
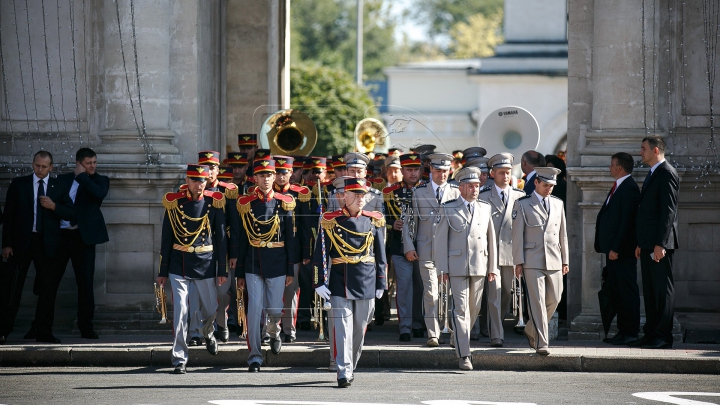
[(465, 248), (501, 197), (540, 253), (193, 235), (268, 250), (419, 234), (353, 247)]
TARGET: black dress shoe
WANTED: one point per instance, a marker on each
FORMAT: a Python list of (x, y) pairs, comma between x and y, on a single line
[(343, 383), (47, 339), (265, 341), (620, 339), (211, 345), (657, 343), (305, 325), (2, 340), (89, 334), (196, 341), (418, 333), (254, 368), (638, 342), (379, 321), (275, 345), (179, 369), (222, 334), (32, 334), (290, 338), (404, 337)]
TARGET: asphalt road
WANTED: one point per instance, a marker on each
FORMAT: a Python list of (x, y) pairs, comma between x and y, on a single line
[(371, 386)]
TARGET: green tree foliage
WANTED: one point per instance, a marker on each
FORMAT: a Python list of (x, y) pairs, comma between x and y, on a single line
[(478, 37), (333, 101), (442, 15), (324, 31)]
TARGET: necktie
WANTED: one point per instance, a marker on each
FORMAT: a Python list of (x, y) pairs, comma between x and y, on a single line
[(647, 178), (502, 197), (469, 207), (39, 220), (544, 204), (612, 191), (437, 194)]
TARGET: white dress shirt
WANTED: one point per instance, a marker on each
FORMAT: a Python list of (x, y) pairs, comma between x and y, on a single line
[(435, 187), (73, 193), (617, 184), (36, 179), (503, 191), (655, 166), (542, 199)]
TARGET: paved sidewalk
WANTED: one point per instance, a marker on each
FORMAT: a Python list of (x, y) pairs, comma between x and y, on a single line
[(382, 350)]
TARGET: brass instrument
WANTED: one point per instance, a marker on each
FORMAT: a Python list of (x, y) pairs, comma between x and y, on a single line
[(288, 132), (517, 297), (443, 307), (371, 136), (161, 302), (316, 316), (241, 315)]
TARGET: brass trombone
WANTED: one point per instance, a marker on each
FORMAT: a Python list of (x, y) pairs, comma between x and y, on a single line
[(316, 316), (241, 315), (517, 297), (161, 302)]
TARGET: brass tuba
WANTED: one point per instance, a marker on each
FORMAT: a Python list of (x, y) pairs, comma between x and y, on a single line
[(288, 132), (161, 302), (371, 136)]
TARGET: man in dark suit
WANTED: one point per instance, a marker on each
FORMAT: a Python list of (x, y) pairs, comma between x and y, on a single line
[(34, 206), (615, 237), (529, 161), (657, 225), (79, 237)]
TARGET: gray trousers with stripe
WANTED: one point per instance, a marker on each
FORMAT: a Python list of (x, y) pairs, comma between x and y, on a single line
[(466, 299), (350, 318), (261, 290), (205, 315)]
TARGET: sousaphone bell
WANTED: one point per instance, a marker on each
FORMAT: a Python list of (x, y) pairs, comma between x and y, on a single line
[(371, 136), (288, 132)]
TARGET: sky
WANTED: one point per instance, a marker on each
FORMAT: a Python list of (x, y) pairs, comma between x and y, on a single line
[(407, 26)]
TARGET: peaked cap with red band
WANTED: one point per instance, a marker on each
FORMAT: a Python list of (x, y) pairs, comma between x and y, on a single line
[(410, 160), (197, 172), (264, 166), (247, 140), (209, 157), (236, 159), (225, 173), (284, 162)]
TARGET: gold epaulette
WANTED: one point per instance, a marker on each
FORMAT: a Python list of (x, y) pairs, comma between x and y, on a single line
[(376, 218), (218, 198), (303, 192), (170, 200), (231, 190), (243, 203), (287, 200), (327, 221)]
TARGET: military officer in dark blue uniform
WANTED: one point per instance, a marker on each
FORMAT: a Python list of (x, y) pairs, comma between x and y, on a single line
[(193, 234), (269, 250), (283, 169), (351, 254)]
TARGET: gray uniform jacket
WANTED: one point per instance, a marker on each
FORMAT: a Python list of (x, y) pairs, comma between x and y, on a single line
[(502, 219), (465, 243), (425, 212), (539, 241)]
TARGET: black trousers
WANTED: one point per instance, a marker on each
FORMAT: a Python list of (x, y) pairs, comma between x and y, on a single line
[(12, 280), (72, 248), (658, 295), (625, 294)]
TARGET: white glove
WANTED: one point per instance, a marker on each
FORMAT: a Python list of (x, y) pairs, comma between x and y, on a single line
[(379, 293), (324, 292)]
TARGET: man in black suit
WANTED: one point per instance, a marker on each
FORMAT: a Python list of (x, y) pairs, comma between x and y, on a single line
[(529, 161), (615, 237), (34, 206), (79, 237), (657, 225)]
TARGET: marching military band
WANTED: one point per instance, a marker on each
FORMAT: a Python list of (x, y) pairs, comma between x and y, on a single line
[(290, 241)]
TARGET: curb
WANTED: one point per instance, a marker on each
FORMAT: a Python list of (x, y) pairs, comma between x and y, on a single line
[(372, 357)]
